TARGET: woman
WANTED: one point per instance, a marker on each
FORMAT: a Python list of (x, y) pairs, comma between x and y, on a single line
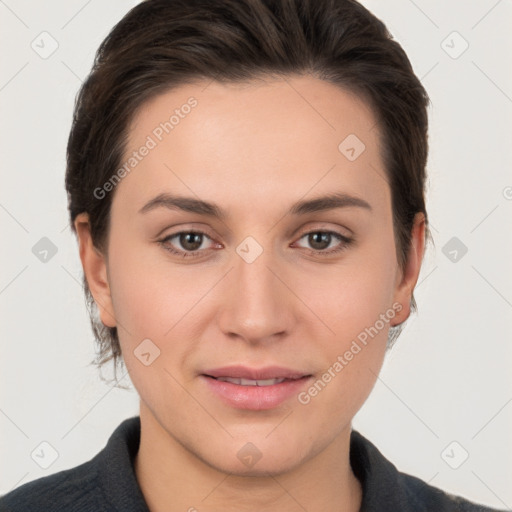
[(246, 182)]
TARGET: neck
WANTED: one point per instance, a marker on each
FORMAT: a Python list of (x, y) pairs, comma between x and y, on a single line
[(173, 479)]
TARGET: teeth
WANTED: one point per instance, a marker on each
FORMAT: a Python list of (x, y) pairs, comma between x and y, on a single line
[(251, 382)]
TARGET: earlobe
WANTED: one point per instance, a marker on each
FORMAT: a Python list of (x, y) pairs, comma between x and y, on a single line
[(408, 278), (95, 270)]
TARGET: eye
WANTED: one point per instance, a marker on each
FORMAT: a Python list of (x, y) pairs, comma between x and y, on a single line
[(321, 240), (190, 241)]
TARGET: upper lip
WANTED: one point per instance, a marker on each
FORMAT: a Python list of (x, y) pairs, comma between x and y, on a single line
[(245, 372)]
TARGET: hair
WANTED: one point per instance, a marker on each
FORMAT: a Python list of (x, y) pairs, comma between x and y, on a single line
[(162, 44)]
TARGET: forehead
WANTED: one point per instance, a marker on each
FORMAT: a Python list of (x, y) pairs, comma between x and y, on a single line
[(256, 142)]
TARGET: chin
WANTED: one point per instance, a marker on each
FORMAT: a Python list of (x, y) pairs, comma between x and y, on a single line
[(261, 468), (260, 458)]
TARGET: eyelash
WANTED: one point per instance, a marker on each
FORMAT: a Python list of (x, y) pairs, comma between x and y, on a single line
[(346, 242)]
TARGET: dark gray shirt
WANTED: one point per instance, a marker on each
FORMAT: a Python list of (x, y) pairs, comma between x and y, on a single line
[(107, 483)]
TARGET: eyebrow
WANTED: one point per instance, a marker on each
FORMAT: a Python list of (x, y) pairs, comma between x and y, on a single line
[(193, 205)]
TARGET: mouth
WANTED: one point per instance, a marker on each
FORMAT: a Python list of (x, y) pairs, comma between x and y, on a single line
[(257, 389), (254, 375), (250, 382)]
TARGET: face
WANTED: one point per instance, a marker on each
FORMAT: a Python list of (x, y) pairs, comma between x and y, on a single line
[(273, 283)]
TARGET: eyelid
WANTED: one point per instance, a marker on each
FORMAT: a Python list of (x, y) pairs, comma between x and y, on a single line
[(322, 226), (328, 231)]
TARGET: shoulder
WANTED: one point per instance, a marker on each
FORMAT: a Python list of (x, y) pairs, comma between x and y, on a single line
[(104, 483), (387, 489), (75, 489), (426, 497)]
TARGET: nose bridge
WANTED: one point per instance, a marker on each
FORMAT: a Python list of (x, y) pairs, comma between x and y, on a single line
[(258, 305)]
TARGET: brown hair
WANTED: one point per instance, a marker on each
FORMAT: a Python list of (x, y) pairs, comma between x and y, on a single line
[(161, 44)]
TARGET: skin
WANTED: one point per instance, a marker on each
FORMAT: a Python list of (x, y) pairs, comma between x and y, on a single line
[(254, 149)]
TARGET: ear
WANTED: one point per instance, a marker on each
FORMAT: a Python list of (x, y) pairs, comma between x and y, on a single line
[(95, 270), (407, 279)]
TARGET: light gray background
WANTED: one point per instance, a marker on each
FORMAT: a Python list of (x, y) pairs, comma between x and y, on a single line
[(448, 377)]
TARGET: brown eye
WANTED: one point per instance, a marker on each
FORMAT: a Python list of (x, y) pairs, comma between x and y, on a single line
[(319, 241), (188, 243)]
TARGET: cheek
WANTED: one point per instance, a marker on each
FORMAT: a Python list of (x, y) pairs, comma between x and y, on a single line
[(352, 295), (145, 304), (356, 305), (151, 302), (355, 301)]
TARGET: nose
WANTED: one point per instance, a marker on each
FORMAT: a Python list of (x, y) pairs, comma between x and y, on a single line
[(257, 306)]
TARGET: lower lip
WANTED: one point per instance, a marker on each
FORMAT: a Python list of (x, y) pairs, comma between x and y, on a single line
[(256, 398)]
